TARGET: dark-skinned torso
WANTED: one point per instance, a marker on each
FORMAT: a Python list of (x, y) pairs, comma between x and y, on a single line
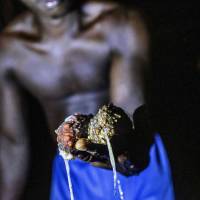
[(66, 74), (72, 72)]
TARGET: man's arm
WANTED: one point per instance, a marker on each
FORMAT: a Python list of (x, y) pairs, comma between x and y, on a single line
[(128, 78), (13, 140), (130, 47)]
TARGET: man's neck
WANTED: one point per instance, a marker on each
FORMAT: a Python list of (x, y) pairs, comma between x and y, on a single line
[(57, 27)]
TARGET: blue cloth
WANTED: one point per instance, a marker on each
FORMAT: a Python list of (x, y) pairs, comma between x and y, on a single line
[(92, 183)]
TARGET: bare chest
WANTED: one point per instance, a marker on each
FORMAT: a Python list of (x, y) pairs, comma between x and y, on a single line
[(75, 66)]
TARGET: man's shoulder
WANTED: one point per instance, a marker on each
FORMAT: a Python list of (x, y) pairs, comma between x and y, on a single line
[(21, 23), (110, 13), (124, 28), (10, 36)]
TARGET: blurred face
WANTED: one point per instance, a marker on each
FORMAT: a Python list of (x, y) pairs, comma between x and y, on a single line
[(49, 8)]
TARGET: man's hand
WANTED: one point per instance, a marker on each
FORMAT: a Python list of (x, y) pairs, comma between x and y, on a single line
[(72, 138), (71, 134), (66, 136)]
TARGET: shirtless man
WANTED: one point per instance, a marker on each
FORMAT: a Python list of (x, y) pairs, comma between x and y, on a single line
[(72, 58)]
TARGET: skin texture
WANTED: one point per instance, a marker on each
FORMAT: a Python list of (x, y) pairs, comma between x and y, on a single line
[(70, 60)]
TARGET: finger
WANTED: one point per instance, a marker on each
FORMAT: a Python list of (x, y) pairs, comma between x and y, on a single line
[(62, 138), (69, 131), (66, 126), (67, 134), (67, 138)]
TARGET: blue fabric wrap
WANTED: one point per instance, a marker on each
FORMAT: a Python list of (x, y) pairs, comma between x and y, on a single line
[(93, 183)]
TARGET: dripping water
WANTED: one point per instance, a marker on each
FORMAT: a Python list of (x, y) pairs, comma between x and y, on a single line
[(67, 166), (112, 161), (69, 179), (121, 193)]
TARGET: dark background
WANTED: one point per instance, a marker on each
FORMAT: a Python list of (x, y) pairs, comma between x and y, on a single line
[(173, 98)]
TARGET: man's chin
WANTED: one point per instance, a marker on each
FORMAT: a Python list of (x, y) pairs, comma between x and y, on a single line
[(57, 11)]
